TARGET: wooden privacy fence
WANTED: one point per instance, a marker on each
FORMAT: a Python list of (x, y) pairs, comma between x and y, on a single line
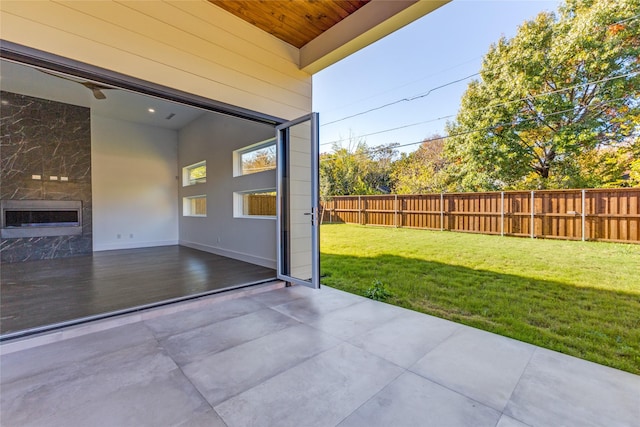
[(260, 204), (611, 215)]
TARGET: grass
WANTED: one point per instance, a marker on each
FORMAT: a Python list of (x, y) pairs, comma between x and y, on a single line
[(579, 298)]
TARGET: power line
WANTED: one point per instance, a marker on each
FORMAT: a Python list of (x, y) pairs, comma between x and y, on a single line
[(389, 130), (512, 123), (493, 106), (495, 126), (413, 98), (409, 99), (406, 84), (626, 20)]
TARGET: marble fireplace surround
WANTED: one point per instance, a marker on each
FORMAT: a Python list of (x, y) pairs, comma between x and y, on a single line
[(41, 140)]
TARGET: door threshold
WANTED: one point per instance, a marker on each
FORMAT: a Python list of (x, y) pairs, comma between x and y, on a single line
[(41, 335)]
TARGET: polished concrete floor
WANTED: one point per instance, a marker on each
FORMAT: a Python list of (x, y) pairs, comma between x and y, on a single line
[(39, 294), (299, 357)]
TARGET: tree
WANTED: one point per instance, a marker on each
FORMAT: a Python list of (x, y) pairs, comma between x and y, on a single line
[(356, 169), (562, 89), (260, 160), (423, 170)]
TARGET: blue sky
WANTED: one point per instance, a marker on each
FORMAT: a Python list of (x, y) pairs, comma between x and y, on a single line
[(444, 46)]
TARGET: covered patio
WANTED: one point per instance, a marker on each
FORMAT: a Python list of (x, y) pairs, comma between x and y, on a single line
[(298, 357)]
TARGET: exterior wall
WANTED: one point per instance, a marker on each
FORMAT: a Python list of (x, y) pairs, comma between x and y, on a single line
[(135, 190), (46, 138), (213, 138), (192, 46)]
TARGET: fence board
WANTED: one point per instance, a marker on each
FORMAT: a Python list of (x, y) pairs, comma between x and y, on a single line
[(609, 214)]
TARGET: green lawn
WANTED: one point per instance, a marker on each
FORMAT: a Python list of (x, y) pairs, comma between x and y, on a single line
[(579, 298)]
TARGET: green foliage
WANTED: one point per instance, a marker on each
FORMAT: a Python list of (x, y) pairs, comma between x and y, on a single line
[(356, 169), (198, 172), (377, 292), (259, 160), (422, 171), (549, 102)]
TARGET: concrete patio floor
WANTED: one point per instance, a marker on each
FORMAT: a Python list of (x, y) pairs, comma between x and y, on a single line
[(298, 357)]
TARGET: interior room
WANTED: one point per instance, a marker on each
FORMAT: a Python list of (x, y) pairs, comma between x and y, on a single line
[(114, 200)]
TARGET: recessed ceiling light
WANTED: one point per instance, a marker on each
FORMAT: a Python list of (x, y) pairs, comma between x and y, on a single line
[(151, 110)]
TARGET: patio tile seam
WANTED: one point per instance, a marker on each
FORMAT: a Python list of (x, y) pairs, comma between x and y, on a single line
[(275, 307), (207, 325), (81, 373), (186, 377), (404, 370), (84, 359), (526, 366), (351, 337), (195, 387), (458, 327), (459, 393), (288, 367), (62, 367), (202, 356)]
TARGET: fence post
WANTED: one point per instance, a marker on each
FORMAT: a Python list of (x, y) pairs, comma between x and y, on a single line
[(395, 210), (532, 215), (359, 210), (441, 212), (584, 204), (333, 203), (502, 213)]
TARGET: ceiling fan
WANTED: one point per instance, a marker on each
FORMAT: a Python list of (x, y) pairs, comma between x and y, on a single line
[(95, 88)]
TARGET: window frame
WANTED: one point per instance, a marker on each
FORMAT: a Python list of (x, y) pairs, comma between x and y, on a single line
[(186, 206), (186, 172), (237, 156), (238, 203)]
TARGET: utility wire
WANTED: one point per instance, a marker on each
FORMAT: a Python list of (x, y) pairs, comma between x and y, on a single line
[(626, 20), (406, 84), (413, 98), (389, 130), (438, 87), (493, 105), (492, 127), (512, 123)]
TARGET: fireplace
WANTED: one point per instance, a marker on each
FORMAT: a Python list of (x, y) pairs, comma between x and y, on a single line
[(40, 218)]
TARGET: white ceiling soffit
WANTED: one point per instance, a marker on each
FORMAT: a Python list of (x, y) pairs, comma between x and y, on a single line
[(368, 24), (118, 104)]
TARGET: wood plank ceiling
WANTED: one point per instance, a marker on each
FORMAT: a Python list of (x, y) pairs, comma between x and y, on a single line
[(296, 22)]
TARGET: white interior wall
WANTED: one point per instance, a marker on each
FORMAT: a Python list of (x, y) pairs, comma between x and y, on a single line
[(213, 138), (135, 190)]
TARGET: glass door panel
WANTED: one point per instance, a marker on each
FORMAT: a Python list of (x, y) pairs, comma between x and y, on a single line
[(298, 200)]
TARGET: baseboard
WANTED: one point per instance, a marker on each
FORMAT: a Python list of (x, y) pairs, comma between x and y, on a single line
[(133, 245), (264, 262)]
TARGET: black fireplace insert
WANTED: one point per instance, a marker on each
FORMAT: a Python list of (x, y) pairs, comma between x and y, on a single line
[(37, 218)]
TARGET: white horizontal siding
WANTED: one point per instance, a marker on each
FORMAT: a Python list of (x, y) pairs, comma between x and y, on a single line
[(192, 46)]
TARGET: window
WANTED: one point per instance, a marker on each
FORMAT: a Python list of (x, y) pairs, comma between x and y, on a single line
[(194, 206), (255, 158), (256, 204), (194, 174)]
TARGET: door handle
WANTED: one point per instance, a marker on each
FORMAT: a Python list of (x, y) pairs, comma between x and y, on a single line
[(313, 216)]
